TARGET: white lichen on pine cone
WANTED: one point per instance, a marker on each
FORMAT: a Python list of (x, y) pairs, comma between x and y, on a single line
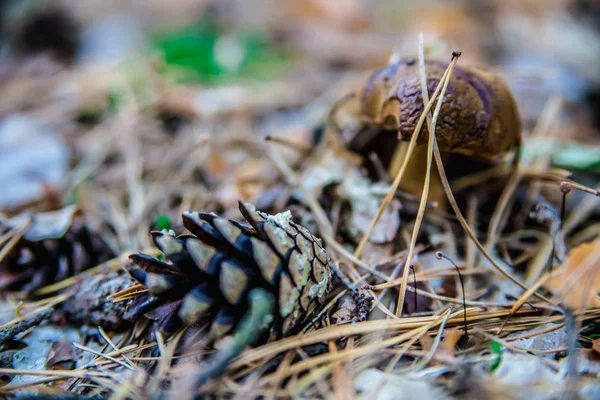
[(208, 276)]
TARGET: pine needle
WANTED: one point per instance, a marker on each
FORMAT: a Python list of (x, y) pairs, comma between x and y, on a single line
[(469, 231), (396, 183), (422, 205)]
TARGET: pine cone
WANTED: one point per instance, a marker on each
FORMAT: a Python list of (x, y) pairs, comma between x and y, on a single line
[(210, 274), (57, 244)]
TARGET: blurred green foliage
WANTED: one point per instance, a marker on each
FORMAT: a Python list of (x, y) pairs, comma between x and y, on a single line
[(592, 329), (569, 155), (162, 222), (204, 52)]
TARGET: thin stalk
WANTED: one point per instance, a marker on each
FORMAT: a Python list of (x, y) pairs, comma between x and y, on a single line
[(469, 231), (425, 193), (390, 195)]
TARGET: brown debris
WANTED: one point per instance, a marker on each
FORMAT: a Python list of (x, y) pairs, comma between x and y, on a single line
[(90, 304)]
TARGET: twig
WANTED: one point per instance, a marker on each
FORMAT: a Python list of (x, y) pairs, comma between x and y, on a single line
[(9, 332)]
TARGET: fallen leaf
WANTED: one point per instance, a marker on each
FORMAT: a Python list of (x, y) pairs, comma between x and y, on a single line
[(446, 348), (448, 344), (346, 310), (578, 281), (44, 225), (61, 355), (364, 198), (39, 343)]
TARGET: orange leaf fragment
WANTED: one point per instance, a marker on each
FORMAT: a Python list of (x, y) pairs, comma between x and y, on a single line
[(596, 346), (578, 281), (451, 338)]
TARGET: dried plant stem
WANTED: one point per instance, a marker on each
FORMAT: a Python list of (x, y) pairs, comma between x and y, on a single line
[(545, 128), (270, 350), (462, 285), (116, 348), (363, 350), (390, 195), (10, 388), (17, 235), (421, 211), (431, 275), (48, 304), (438, 338), (498, 213), (54, 373), (523, 299), (99, 354), (466, 302), (452, 200), (341, 250), (528, 293), (403, 349), (469, 231), (278, 375), (583, 188), (527, 173), (320, 215), (111, 265), (289, 144)]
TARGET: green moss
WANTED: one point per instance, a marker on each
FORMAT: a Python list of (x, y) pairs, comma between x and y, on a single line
[(569, 155)]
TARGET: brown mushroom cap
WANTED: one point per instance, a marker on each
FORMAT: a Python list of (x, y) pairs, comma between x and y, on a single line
[(479, 115)]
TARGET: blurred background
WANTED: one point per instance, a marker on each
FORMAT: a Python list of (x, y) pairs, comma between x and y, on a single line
[(540, 46), (99, 96), (116, 116)]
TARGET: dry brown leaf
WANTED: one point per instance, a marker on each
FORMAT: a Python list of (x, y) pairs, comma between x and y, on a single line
[(61, 355), (447, 347), (448, 344), (596, 346), (579, 281)]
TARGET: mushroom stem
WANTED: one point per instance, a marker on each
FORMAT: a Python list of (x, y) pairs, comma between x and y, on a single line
[(417, 166)]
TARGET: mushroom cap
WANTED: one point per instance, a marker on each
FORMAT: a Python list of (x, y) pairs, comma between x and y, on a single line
[(479, 115)]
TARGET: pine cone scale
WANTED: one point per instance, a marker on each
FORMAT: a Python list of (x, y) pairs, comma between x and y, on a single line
[(202, 255), (234, 281), (230, 259), (267, 260), (195, 305)]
